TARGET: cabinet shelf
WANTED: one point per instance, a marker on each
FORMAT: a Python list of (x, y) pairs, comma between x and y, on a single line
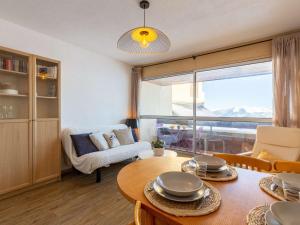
[(11, 95), (12, 72), (45, 79), (46, 97)]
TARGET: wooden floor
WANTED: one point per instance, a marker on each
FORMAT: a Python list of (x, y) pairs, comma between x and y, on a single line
[(76, 200)]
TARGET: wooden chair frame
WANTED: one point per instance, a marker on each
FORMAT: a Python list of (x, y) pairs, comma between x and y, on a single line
[(245, 162), (287, 166)]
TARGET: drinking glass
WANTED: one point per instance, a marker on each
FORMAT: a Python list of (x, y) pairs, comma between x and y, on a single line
[(189, 166), (4, 111), (202, 168), (1, 112)]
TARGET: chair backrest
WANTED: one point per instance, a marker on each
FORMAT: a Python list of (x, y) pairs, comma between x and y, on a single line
[(245, 162), (282, 142), (287, 166)]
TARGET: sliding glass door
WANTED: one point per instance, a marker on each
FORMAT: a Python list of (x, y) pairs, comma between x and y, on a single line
[(215, 110)]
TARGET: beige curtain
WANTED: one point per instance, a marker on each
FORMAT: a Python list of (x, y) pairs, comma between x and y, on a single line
[(135, 91), (286, 71)]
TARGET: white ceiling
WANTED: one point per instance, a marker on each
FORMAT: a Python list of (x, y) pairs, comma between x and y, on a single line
[(193, 26)]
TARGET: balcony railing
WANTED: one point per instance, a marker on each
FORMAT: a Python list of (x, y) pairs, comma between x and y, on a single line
[(228, 135)]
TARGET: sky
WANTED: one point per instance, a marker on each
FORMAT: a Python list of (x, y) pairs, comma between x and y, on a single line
[(254, 91)]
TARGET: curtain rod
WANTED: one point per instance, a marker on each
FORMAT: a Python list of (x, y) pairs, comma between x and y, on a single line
[(204, 53)]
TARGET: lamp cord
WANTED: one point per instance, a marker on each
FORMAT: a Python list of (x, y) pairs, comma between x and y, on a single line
[(144, 17)]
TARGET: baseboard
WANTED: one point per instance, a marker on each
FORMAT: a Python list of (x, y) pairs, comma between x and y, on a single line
[(29, 188)]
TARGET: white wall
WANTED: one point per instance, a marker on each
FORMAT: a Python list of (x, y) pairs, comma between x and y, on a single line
[(95, 89), (156, 99)]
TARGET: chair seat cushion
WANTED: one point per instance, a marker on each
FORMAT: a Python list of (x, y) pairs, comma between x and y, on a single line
[(284, 153), (265, 155)]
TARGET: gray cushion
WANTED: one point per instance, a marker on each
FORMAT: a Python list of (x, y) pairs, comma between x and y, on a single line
[(124, 136)]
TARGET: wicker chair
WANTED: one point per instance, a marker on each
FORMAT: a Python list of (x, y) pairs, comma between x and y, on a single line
[(245, 162), (287, 166), (137, 214)]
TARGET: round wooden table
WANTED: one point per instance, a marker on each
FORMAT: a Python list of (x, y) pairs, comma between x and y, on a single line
[(149, 154), (238, 196)]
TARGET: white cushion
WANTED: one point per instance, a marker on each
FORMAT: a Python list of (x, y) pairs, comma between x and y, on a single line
[(99, 141), (281, 136), (111, 139)]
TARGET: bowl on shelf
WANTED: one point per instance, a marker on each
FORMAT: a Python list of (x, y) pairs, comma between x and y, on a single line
[(9, 91), (179, 183)]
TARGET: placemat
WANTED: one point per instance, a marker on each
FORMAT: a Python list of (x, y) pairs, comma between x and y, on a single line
[(228, 175), (196, 208), (256, 216), (265, 184)]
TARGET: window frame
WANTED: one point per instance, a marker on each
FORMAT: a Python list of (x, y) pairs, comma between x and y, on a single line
[(196, 118)]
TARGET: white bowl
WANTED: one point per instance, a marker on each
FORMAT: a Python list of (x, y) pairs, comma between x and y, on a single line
[(179, 183), (287, 213), (213, 163)]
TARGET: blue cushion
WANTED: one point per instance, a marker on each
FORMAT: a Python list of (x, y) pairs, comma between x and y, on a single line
[(83, 144)]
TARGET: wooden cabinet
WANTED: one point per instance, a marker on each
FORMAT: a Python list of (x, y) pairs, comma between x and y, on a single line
[(29, 120), (46, 153), (15, 152)]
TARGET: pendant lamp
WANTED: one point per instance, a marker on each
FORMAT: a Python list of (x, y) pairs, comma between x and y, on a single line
[(144, 40)]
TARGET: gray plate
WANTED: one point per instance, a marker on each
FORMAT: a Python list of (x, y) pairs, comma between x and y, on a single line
[(191, 198), (223, 168)]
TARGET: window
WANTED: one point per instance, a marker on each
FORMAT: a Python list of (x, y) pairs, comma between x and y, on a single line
[(222, 115)]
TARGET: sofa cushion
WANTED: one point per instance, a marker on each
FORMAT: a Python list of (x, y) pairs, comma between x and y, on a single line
[(83, 144), (99, 141), (111, 140), (124, 136)]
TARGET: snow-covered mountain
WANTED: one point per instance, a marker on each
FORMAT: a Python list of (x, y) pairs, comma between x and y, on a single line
[(245, 112), (187, 110)]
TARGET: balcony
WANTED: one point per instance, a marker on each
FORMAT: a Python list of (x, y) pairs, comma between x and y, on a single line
[(225, 135)]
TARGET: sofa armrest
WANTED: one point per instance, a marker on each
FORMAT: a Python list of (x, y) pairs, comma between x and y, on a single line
[(246, 153)]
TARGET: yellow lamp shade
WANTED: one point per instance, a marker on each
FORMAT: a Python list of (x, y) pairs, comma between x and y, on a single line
[(144, 36)]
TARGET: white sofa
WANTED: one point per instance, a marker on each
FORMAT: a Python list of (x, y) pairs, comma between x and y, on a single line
[(93, 161)]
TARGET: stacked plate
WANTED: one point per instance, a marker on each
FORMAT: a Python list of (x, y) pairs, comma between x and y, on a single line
[(283, 213), (214, 164), (179, 186), (290, 183)]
